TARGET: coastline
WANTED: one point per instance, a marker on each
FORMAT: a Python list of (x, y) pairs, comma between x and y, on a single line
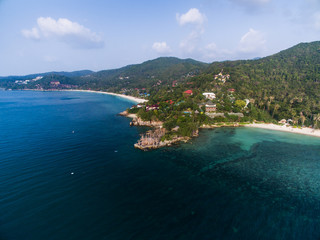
[(133, 99), (152, 138), (268, 126), (283, 128), (145, 146)]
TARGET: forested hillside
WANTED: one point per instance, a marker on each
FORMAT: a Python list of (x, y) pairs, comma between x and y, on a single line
[(284, 85), (145, 75)]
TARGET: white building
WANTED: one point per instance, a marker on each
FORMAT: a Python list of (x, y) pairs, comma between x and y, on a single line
[(209, 95), (247, 102)]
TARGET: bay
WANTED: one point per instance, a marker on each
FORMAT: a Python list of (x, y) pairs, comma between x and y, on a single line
[(68, 170)]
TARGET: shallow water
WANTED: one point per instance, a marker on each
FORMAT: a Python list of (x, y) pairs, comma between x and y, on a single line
[(68, 170)]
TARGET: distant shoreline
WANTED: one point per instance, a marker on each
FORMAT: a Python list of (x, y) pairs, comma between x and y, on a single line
[(283, 128), (131, 98), (134, 99)]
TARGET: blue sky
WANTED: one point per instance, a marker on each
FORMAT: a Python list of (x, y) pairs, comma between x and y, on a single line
[(67, 35)]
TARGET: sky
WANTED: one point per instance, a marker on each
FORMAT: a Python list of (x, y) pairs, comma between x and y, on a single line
[(68, 35)]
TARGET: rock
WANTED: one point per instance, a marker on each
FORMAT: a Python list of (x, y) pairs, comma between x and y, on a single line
[(124, 113)]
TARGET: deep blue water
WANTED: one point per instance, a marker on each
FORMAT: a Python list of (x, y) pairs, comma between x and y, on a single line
[(68, 170)]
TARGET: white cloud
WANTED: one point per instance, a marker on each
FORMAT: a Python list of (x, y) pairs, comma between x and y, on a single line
[(252, 42), (64, 30), (212, 52), (161, 47), (33, 33), (189, 44), (193, 16), (211, 47)]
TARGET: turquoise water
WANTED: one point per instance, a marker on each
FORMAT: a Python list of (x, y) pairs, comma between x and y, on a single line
[(68, 170)]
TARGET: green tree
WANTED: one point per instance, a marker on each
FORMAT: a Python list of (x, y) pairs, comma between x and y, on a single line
[(240, 104), (275, 109)]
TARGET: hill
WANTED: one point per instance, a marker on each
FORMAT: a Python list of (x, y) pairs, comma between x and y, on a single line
[(288, 81), (31, 80), (31, 76), (283, 85), (144, 75)]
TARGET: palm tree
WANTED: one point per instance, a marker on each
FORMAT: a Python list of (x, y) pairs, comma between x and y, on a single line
[(302, 118), (271, 98), (276, 107), (316, 118), (268, 105)]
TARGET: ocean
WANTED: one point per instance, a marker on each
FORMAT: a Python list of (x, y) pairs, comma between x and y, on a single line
[(68, 170)]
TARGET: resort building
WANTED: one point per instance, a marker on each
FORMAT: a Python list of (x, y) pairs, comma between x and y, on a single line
[(210, 107), (152, 107), (283, 121), (209, 95), (221, 77), (188, 93)]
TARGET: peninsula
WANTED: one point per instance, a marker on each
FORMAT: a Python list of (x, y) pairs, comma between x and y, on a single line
[(177, 97)]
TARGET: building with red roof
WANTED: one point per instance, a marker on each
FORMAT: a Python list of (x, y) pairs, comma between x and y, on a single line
[(188, 92)]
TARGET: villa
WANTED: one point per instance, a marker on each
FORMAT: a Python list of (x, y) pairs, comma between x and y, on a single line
[(210, 107), (209, 95), (188, 93)]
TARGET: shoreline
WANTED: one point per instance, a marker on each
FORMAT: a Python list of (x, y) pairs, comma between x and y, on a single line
[(284, 128), (268, 126), (131, 98)]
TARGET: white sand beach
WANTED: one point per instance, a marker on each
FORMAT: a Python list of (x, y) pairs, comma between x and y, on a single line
[(283, 128), (134, 99)]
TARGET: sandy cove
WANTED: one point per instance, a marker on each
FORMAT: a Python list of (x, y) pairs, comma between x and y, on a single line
[(283, 128), (269, 126), (133, 99)]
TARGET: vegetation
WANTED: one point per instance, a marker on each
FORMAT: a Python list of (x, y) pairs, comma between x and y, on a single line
[(282, 86)]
